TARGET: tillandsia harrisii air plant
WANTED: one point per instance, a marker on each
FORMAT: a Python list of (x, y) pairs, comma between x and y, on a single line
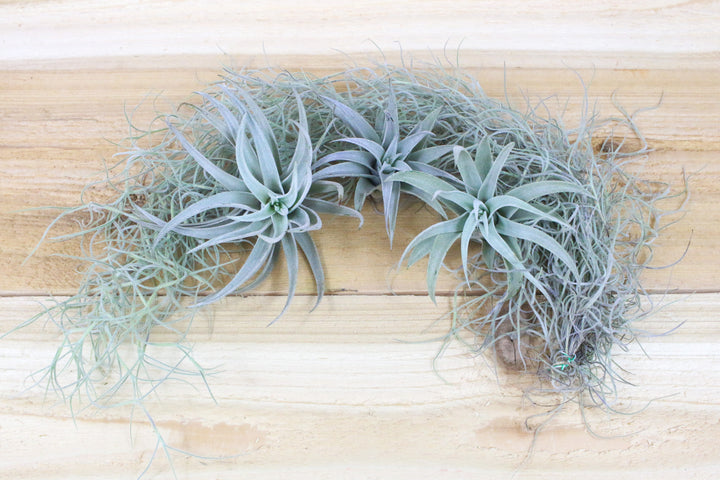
[(382, 153), (553, 234), (271, 203), (498, 220)]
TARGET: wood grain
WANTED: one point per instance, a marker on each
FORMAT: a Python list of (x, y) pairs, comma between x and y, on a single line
[(349, 390), (643, 34), (336, 393), (63, 127)]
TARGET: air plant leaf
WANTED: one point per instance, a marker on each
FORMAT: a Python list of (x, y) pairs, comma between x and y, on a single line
[(468, 171), (357, 124), (483, 157), (425, 244), (509, 228), (228, 181), (430, 185), (489, 185), (257, 259)]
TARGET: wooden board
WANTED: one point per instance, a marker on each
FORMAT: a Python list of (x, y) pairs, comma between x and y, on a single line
[(333, 393), (339, 393)]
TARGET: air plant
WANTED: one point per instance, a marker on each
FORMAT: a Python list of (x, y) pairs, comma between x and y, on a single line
[(563, 232), (498, 220), (383, 152), (271, 202)]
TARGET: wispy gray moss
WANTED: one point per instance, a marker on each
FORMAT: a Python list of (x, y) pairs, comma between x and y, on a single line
[(207, 201)]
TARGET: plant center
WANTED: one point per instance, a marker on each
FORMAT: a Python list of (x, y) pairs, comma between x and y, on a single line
[(278, 207)]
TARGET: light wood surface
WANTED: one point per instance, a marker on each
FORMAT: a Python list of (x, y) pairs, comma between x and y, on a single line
[(350, 390)]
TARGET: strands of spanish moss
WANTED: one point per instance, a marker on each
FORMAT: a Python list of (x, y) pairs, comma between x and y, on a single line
[(564, 304)]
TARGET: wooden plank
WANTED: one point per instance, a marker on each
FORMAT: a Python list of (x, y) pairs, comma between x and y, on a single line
[(644, 34), (55, 137), (84, 107), (361, 260), (333, 393)]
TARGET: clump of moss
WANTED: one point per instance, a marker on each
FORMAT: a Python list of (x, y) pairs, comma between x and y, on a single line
[(206, 202)]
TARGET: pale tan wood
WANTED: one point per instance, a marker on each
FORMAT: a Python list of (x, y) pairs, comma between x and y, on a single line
[(81, 107), (641, 34), (59, 125), (361, 260), (334, 393)]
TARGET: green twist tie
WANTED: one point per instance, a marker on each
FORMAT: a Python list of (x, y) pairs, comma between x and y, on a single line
[(562, 366)]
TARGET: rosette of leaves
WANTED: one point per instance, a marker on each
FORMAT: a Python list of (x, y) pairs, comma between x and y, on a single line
[(270, 202), (499, 220), (383, 151)]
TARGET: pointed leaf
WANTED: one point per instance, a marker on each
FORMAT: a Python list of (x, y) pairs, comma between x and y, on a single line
[(420, 250), (390, 156), (428, 122), (240, 200), (375, 149), (291, 258), (265, 212), (430, 154), (440, 247), (454, 226), (313, 257), (363, 188), (257, 117), (353, 120), (300, 220), (362, 158), (427, 199), (391, 200), (244, 152), (236, 237), (202, 230), (422, 181), (228, 181), (257, 188), (320, 187), (483, 157), (262, 275), (493, 238), (506, 201), (488, 255), (239, 234), (469, 229), (468, 171), (302, 116), (345, 169), (408, 144), (303, 154), (435, 172), (300, 178), (323, 206), (489, 186), (267, 161), (231, 121), (259, 255), (523, 232), (465, 201), (279, 229), (390, 125)]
